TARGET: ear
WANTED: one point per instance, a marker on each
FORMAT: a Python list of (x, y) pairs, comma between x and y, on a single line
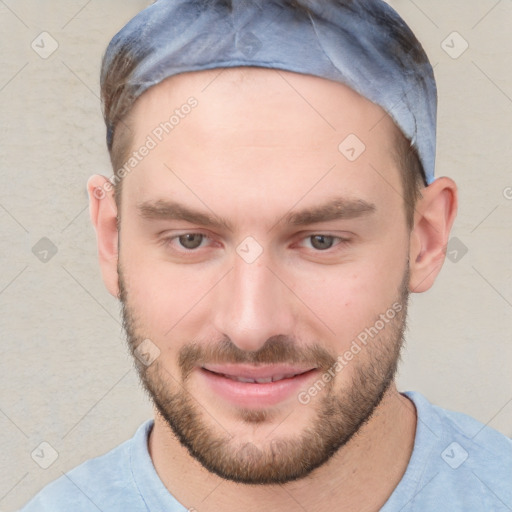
[(433, 220), (103, 212)]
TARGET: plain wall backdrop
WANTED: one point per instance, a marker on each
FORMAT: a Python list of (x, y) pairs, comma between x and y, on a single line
[(65, 374)]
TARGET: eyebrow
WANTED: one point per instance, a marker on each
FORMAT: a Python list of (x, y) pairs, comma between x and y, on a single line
[(335, 209), (171, 210)]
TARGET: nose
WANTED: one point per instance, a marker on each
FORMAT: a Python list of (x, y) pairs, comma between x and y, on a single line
[(252, 304)]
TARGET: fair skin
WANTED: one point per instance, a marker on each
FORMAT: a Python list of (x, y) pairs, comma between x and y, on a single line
[(252, 152)]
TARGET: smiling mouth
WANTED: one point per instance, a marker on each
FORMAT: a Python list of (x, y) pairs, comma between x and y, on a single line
[(256, 375), (256, 386), (260, 380)]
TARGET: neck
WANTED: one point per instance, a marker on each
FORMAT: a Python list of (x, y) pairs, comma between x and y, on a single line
[(375, 458)]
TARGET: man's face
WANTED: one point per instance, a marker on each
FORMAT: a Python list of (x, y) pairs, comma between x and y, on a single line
[(252, 248)]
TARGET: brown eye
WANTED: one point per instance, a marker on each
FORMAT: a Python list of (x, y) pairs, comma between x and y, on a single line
[(191, 240), (321, 242)]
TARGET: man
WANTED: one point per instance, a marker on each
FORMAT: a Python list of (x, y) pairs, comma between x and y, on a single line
[(273, 205)]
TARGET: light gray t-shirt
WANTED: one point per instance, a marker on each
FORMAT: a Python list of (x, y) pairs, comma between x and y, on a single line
[(457, 465)]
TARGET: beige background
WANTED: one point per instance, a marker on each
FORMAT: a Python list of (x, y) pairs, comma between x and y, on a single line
[(65, 375)]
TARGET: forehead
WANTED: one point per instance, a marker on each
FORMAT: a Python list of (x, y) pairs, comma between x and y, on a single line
[(261, 134)]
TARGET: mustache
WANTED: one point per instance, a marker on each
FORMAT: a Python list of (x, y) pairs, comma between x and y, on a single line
[(277, 349)]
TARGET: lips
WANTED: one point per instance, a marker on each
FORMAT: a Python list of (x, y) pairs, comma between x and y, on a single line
[(264, 380), (255, 386), (256, 374)]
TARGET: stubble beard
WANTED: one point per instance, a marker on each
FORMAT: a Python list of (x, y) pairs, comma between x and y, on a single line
[(339, 414)]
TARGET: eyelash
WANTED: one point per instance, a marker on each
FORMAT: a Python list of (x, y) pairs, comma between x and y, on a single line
[(338, 241), (341, 241)]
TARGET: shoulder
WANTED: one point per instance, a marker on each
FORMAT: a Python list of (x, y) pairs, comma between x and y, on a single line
[(465, 460), (481, 442), (95, 484)]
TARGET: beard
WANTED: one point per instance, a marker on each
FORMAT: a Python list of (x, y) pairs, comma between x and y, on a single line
[(338, 413)]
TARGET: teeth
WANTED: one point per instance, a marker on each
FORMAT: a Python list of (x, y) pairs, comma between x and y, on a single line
[(240, 379), (265, 380)]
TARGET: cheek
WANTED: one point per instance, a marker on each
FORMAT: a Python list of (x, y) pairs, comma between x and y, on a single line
[(348, 299), (165, 298)]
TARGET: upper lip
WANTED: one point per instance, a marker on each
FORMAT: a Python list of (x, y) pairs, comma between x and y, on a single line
[(247, 371)]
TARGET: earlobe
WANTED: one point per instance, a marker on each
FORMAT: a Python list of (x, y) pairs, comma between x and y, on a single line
[(103, 213), (434, 216)]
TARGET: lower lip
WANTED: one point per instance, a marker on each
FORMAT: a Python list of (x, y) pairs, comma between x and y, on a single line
[(253, 394)]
